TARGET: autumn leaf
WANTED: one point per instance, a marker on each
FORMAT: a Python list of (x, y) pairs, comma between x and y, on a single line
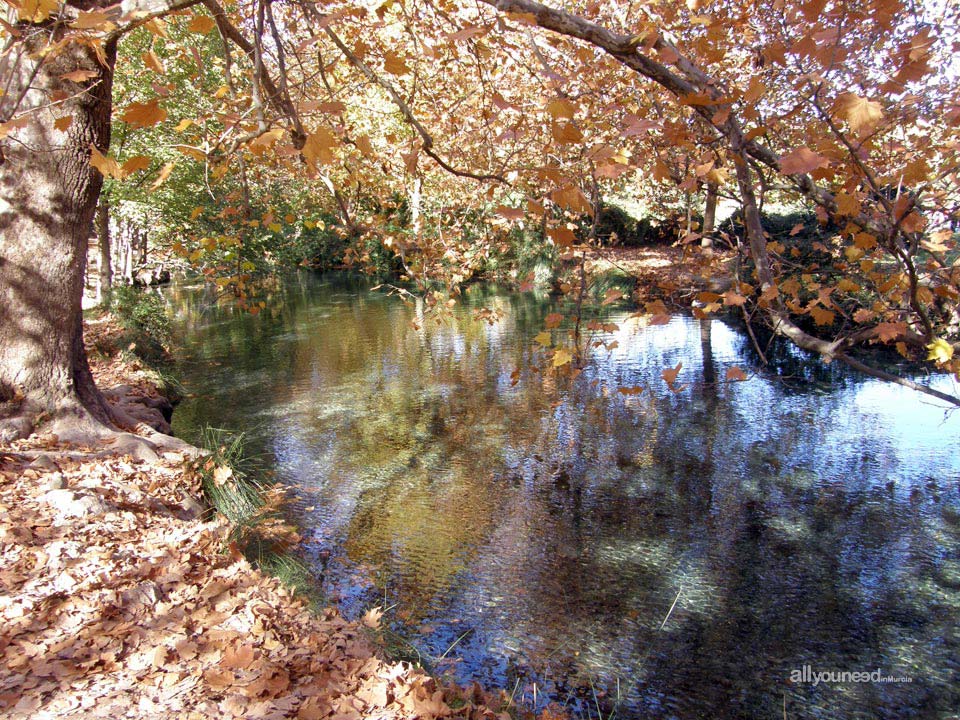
[(561, 109), (847, 204), (561, 357), (371, 618), (318, 149), (135, 164), (632, 390), (889, 331), (611, 296), (394, 64), (80, 76), (62, 123), (238, 657), (801, 160), (144, 114), (163, 175), (510, 213), (153, 62), (822, 316), (670, 375), (862, 115), (565, 132), (201, 24), (36, 11), (544, 338), (733, 298), (107, 166), (940, 351), (735, 374), (562, 236), (93, 20), (553, 320)]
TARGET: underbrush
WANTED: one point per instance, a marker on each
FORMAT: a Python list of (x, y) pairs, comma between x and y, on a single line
[(237, 486)]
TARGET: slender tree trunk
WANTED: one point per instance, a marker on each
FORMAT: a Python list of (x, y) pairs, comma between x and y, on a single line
[(105, 275), (416, 219), (126, 253), (709, 215), (48, 195), (142, 236)]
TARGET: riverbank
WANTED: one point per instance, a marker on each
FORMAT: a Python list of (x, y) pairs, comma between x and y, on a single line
[(121, 594)]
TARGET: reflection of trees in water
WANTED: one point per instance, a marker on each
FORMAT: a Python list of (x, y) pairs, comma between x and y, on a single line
[(569, 528)]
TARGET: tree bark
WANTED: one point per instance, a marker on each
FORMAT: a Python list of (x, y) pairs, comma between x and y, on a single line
[(48, 195)]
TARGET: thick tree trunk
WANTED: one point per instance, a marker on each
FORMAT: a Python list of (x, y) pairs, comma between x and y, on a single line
[(105, 268), (48, 195)]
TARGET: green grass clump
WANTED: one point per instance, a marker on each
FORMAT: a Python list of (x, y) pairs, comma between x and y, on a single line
[(235, 485)]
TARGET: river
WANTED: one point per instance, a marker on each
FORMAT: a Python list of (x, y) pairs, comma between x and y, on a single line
[(700, 553)]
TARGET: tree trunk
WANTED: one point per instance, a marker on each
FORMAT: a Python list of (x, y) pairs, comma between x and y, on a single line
[(142, 246), (48, 195), (126, 253), (709, 215), (416, 222), (105, 275)]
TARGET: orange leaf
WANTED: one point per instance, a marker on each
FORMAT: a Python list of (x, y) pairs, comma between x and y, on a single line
[(201, 24), (318, 149), (394, 64), (153, 62), (822, 316), (140, 162), (94, 20), (847, 204), (732, 297), (801, 160), (107, 166), (735, 373), (142, 115), (163, 175), (239, 657), (565, 132), (611, 296), (79, 76), (561, 109), (62, 123), (552, 320), (671, 375), (562, 236), (862, 115), (510, 213)]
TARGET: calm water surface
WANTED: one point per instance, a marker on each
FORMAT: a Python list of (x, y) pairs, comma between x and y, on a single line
[(538, 535)]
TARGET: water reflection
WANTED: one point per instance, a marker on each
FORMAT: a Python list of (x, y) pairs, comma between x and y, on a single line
[(543, 531)]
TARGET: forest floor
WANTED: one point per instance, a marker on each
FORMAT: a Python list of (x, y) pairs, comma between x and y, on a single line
[(672, 272), (121, 596)]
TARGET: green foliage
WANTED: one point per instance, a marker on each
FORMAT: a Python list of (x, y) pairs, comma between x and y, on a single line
[(234, 484), (799, 229), (142, 314), (616, 226), (523, 253), (229, 477), (141, 310)]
